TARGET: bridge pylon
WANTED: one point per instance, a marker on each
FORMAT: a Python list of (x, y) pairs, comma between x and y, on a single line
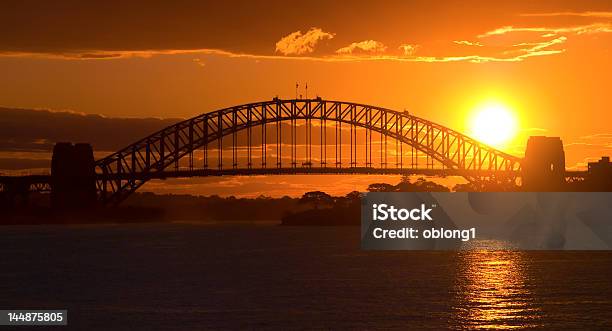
[(73, 177), (543, 167)]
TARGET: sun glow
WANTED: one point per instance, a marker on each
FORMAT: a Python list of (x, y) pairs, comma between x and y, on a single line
[(494, 124)]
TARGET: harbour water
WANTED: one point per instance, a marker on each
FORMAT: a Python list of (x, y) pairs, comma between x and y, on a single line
[(197, 276)]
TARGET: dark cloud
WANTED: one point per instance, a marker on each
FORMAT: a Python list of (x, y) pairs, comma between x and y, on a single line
[(38, 130), (21, 163), (85, 26), (30, 130)]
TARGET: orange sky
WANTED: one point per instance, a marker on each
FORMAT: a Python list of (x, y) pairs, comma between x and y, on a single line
[(548, 60)]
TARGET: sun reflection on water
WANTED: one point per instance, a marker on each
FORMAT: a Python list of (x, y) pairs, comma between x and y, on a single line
[(493, 291)]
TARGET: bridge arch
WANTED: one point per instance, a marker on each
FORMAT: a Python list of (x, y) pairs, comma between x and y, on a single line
[(124, 171)]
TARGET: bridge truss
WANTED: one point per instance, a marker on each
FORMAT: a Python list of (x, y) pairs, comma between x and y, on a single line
[(300, 136)]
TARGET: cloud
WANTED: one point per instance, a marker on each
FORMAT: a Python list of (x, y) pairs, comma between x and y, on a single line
[(541, 45), (580, 29), (298, 43), (475, 58), (534, 130), (408, 49), (601, 14), (598, 136), (368, 46), (109, 55), (45, 127), (538, 48), (64, 37), (301, 45), (23, 163), (199, 62), (559, 36), (467, 43)]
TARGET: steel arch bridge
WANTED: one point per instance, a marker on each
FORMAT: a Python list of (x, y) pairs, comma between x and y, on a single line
[(276, 137)]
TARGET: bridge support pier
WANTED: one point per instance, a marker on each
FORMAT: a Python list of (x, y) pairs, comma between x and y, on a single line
[(543, 167), (73, 178)]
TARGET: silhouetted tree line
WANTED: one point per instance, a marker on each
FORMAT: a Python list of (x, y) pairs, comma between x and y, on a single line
[(215, 208), (150, 207), (326, 210), (346, 210), (313, 208), (406, 185)]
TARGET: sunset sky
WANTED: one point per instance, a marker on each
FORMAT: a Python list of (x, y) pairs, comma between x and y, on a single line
[(547, 62)]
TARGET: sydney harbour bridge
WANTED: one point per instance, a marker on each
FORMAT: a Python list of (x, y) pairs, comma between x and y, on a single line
[(297, 136)]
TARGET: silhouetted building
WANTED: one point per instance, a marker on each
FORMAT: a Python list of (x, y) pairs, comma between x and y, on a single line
[(73, 178), (600, 174), (544, 164)]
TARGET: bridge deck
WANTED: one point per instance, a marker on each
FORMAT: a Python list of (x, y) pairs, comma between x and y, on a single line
[(186, 173), (310, 170)]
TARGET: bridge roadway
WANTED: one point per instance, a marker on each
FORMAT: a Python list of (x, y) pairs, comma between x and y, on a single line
[(41, 183), (307, 170)]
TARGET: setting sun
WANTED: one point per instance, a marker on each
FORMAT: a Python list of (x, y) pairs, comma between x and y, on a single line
[(494, 124)]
